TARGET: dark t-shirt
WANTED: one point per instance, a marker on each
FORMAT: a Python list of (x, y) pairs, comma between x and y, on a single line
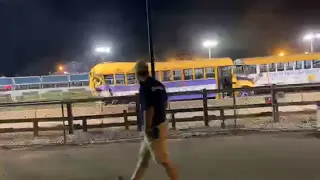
[(153, 94)]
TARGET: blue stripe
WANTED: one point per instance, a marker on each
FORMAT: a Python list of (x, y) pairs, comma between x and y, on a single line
[(175, 84), (190, 97)]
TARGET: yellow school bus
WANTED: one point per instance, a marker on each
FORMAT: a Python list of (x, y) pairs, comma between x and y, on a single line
[(177, 76)]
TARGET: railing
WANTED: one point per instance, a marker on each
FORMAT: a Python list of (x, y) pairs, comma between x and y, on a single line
[(67, 113), (17, 82)]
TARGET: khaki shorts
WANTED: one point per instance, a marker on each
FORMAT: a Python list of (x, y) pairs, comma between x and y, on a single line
[(157, 148)]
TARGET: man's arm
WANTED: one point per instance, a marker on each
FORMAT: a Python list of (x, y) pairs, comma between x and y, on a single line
[(166, 98), (149, 113)]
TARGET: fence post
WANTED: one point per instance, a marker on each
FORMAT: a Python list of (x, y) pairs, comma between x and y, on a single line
[(84, 125), (35, 124), (70, 117), (125, 117), (64, 125), (205, 107), (36, 128), (274, 103), (173, 121), (223, 125), (139, 114), (101, 103), (318, 116), (234, 108)]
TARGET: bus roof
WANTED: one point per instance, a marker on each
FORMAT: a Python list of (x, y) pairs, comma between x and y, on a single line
[(277, 59), (128, 67)]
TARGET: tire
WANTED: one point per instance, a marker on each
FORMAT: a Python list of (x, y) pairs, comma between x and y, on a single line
[(246, 93)]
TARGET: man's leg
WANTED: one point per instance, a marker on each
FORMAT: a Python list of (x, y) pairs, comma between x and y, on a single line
[(171, 170), (143, 161), (160, 152)]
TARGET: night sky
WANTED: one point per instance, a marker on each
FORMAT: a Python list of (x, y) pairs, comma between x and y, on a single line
[(36, 35)]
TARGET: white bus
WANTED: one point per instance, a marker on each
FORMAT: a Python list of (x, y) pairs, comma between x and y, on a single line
[(280, 70)]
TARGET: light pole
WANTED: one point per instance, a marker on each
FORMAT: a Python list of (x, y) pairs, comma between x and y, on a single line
[(311, 37), (209, 44), (150, 41)]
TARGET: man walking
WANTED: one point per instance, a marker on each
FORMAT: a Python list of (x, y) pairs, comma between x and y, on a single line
[(153, 99)]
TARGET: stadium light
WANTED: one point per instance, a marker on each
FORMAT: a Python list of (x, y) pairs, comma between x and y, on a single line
[(210, 44), (282, 54), (308, 37), (60, 68), (103, 50), (311, 37)]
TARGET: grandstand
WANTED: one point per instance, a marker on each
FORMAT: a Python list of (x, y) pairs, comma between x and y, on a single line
[(53, 87)]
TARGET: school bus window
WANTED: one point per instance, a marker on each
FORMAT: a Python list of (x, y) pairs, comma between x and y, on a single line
[(298, 65), (280, 67), (316, 63), (272, 67), (252, 69), (158, 75), (198, 73), (177, 75), (109, 79), (166, 76), (120, 79), (307, 64), (263, 68), (239, 69), (187, 74), (210, 72), (289, 66), (131, 78)]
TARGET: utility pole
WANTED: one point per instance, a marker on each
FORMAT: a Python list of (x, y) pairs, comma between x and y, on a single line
[(150, 41)]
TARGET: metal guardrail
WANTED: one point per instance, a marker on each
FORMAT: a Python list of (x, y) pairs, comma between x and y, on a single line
[(52, 79), (68, 116)]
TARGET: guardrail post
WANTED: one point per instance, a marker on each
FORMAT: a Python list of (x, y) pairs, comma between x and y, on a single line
[(125, 118), (274, 103), (173, 121), (36, 128), (205, 107), (70, 117), (139, 113), (84, 125)]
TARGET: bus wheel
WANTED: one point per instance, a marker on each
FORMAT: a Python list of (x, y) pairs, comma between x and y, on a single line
[(245, 93)]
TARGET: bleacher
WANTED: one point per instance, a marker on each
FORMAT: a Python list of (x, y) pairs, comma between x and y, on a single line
[(53, 87)]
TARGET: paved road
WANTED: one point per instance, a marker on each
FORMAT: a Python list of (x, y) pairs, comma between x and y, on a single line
[(241, 157)]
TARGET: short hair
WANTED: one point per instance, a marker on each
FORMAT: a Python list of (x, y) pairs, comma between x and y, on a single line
[(141, 66)]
